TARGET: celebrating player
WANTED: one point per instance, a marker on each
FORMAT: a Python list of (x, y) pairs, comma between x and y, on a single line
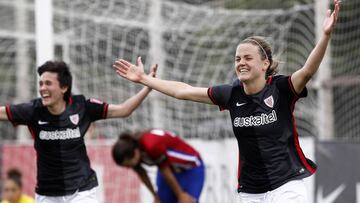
[(261, 105), (181, 171), (58, 122)]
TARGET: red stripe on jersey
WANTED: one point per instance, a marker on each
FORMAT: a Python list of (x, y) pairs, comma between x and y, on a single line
[(239, 170), (296, 141), (269, 80), (9, 115), (292, 89), (105, 111), (70, 100), (32, 132), (209, 92)]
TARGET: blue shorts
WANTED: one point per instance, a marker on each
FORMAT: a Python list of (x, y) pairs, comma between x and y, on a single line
[(191, 181)]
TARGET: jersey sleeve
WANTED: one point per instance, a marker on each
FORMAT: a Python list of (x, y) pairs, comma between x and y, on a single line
[(155, 148), (220, 95), (20, 114), (286, 87), (96, 109)]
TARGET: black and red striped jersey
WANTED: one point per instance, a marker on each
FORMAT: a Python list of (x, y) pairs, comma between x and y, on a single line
[(264, 126), (63, 166), (164, 148)]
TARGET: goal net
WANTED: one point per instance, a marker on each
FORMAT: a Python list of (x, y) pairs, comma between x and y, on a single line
[(345, 81), (194, 44)]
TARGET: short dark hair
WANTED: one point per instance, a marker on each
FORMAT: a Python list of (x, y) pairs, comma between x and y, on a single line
[(124, 148), (63, 72), (15, 175)]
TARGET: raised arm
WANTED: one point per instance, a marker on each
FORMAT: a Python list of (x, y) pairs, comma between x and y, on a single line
[(174, 89), (303, 75), (3, 115), (126, 108)]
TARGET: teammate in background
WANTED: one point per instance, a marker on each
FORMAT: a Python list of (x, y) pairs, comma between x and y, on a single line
[(180, 177), (12, 189), (58, 122), (272, 164)]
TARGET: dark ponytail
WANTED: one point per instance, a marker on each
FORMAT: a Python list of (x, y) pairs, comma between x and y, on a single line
[(124, 148)]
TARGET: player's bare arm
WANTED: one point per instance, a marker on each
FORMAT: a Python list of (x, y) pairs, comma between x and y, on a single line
[(182, 196), (303, 75), (3, 115), (126, 108), (179, 90)]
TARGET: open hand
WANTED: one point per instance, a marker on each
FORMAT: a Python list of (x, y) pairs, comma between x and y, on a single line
[(331, 18), (130, 71), (133, 72)]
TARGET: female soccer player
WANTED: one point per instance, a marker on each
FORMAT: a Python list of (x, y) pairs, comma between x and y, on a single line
[(58, 122), (181, 171), (261, 107), (12, 189)]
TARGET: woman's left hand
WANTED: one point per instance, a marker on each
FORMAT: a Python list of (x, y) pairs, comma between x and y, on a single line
[(331, 18)]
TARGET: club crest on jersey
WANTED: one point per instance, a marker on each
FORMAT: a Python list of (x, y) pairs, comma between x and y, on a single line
[(74, 119), (269, 101)]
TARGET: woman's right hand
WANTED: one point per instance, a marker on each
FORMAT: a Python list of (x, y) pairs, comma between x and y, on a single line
[(331, 18), (130, 71)]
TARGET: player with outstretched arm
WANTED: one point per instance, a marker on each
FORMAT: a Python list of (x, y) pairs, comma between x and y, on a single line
[(58, 122), (261, 105)]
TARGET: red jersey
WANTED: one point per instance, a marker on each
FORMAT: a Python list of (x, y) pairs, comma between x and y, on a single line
[(164, 148)]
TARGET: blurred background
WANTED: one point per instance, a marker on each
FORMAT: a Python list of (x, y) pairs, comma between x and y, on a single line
[(192, 41)]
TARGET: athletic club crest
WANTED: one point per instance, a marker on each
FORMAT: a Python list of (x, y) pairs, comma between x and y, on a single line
[(269, 101), (74, 119)]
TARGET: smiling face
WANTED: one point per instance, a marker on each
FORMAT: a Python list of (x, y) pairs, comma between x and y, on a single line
[(50, 91), (11, 191), (249, 65)]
